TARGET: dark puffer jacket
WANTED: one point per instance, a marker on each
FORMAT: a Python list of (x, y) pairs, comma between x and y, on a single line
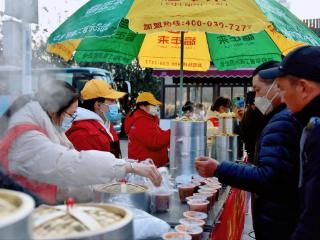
[(274, 181), (308, 226)]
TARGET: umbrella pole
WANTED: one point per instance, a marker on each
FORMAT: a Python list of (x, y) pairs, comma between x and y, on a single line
[(181, 74)]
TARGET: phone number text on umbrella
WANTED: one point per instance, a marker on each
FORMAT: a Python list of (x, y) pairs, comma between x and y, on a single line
[(196, 23)]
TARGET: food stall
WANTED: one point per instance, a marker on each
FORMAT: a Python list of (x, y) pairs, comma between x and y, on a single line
[(185, 202), (189, 139)]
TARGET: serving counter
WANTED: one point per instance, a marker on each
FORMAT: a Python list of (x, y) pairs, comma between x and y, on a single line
[(177, 208)]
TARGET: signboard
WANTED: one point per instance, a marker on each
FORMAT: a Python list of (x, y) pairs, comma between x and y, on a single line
[(162, 50)]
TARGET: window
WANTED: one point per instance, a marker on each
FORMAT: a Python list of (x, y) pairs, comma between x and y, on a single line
[(207, 96), (238, 92), (225, 92), (184, 97), (168, 80), (195, 94)]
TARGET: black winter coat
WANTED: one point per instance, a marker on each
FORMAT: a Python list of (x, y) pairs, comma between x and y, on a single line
[(308, 227), (250, 129), (274, 180)]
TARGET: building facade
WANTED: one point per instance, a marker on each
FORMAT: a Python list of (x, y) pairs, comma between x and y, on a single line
[(313, 24), (201, 87)]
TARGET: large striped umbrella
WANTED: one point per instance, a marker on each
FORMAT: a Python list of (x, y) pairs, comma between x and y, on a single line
[(180, 34)]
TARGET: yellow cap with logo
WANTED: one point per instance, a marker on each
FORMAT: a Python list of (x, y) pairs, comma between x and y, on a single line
[(148, 97), (97, 88)]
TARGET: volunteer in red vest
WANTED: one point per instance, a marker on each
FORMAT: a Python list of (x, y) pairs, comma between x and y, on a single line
[(39, 156), (145, 138), (91, 130)]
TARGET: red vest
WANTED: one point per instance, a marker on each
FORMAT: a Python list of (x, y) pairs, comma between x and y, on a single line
[(46, 191)]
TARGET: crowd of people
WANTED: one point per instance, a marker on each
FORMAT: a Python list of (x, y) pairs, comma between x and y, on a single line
[(58, 139), (38, 155)]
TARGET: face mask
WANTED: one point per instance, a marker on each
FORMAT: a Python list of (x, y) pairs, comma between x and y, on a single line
[(202, 113), (66, 123), (153, 110), (263, 103), (113, 113)]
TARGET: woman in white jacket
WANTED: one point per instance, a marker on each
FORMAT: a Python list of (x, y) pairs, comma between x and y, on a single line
[(43, 154)]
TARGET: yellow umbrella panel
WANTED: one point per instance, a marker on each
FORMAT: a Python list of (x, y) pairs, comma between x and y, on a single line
[(231, 17), (162, 50)]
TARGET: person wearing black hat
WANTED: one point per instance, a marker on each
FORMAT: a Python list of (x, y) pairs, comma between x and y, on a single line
[(298, 78), (274, 177)]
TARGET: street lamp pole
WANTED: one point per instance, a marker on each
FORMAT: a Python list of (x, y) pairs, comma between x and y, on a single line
[(26, 12), (26, 58)]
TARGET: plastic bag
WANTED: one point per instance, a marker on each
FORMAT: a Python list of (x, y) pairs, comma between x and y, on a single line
[(161, 197), (136, 179), (147, 226)]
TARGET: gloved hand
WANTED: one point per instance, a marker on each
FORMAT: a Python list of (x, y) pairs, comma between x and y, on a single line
[(145, 170), (206, 166)]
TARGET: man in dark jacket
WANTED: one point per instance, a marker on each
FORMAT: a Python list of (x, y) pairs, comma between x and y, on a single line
[(299, 83), (252, 121), (274, 179)]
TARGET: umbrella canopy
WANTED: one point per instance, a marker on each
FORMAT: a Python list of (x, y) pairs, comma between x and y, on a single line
[(239, 33), (216, 30)]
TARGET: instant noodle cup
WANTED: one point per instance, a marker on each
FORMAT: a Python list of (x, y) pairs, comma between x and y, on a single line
[(215, 192), (196, 186), (211, 180), (194, 231), (213, 185), (210, 188), (185, 190), (195, 215), (198, 181), (198, 205), (161, 201), (216, 187), (206, 189), (192, 221), (195, 181), (196, 197), (176, 236), (209, 195)]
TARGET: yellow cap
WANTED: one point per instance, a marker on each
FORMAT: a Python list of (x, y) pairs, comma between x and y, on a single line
[(148, 97), (99, 88)]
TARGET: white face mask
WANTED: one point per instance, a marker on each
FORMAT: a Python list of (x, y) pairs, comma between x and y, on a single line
[(66, 123), (263, 103), (153, 110)]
